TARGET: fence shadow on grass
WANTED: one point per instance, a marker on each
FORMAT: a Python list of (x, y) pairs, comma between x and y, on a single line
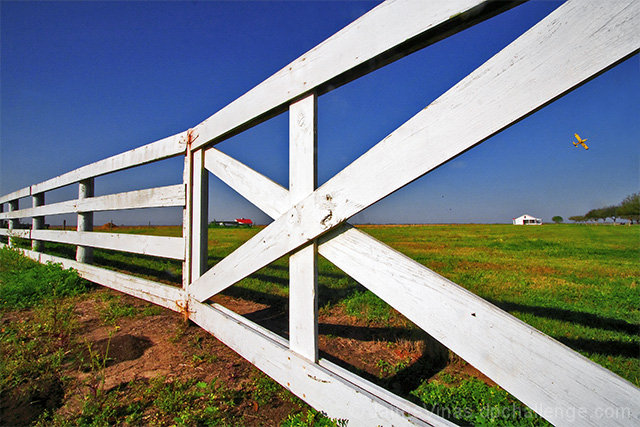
[(604, 347), (586, 319), (275, 318)]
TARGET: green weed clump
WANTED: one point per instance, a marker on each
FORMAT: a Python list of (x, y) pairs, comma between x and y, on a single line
[(366, 305), (471, 401), (311, 418), (25, 283), (158, 402)]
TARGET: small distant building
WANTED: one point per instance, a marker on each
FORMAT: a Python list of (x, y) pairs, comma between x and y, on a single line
[(239, 222), (527, 220), (244, 221)]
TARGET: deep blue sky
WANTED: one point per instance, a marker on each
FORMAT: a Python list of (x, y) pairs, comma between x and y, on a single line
[(81, 81)]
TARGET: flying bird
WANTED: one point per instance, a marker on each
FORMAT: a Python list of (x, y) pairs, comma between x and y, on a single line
[(580, 142)]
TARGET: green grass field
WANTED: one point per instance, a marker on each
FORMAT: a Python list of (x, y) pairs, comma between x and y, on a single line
[(576, 283)]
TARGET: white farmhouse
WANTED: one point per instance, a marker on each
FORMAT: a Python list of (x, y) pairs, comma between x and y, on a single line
[(527, 220)]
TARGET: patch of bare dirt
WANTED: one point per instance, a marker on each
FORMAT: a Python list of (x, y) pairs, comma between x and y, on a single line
[(391, 353)]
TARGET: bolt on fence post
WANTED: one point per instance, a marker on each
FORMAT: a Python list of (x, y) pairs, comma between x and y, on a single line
[(85, 220), (37, 221)]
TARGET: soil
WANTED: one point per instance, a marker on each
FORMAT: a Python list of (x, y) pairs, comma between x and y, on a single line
[(393, 354)]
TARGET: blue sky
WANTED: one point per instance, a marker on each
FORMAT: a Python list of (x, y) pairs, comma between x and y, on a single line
[(81, 81)]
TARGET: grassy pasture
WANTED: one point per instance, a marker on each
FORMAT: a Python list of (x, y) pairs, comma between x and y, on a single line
[(576, 283)]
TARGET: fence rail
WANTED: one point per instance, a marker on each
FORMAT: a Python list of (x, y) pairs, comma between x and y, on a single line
[(576, 42)]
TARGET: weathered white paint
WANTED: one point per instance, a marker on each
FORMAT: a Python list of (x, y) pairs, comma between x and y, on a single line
[(172, 195), (543, 373), (363, 46), (18, 194), (23, 234), (303, 270), (85, 220), (164, 148), (485, 102), (361, 403), (37, 222), (160, 246), (187, 214), (576, 42), (258, 189), (386, 395), (507, 350), (164, 295), (200, 216)]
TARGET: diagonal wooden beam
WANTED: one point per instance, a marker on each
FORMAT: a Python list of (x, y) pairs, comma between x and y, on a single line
[(502, 91), (267, 195), (555, 381), (543, 373), (388, 32)]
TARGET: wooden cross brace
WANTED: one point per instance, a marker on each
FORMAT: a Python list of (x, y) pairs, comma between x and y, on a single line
[(575, 43)]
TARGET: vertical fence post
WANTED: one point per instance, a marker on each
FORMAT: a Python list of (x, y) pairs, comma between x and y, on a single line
[(14, 205), (303, 271), (37, 221), (199, 215), (187, 178), (85, 221)]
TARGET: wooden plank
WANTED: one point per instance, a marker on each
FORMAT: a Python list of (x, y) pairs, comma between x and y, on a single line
[(266, 194), (303, 148), (18, 194), (546, 375), (37, 222), (303, 269), (413, 289), (85, 220), (320, 387), (171, 195), (160, 246), (162, 149), (386, 33), (23, 234), (200, 216), (187, 214), (597, 35), (167, 296)]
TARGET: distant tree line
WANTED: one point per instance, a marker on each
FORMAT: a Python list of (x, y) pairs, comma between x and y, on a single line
[(628, 209)]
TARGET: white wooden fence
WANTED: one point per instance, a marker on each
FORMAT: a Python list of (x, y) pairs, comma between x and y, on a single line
[(575, 43)]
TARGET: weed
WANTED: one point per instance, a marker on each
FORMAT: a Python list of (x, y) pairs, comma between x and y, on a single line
[(33, 351), (152, 310), (25, 283), (97, 365), (366, 305), (312, 418), (264, 389), (116, 309), (389, 369), (472, 401)]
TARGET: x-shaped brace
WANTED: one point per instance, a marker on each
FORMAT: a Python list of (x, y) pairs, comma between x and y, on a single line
[(505, 89), (529, 73)]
